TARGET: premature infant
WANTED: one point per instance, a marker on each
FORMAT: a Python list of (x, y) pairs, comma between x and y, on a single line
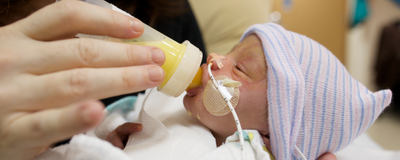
[(293, 91)]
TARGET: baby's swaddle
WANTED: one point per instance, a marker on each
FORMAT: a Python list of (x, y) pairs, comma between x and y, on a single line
[(313, 101)]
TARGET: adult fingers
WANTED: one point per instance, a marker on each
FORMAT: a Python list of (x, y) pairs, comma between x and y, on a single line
[(327, 156), (80, 53), (61, 88), (69, 17), (51, 125)]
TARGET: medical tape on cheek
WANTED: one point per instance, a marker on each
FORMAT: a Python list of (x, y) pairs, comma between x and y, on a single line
[(212, 99), (227, 99)]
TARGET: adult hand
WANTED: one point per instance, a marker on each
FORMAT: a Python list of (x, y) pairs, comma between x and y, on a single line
[(47, 78), (119, 137)]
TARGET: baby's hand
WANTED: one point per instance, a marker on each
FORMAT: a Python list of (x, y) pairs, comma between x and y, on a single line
[(120, 135)]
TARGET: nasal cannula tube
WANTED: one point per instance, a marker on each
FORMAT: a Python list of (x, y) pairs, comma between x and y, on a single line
[(238, 126)]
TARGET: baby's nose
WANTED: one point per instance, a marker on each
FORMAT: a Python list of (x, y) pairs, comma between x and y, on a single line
[(214, 66), (213, 58)]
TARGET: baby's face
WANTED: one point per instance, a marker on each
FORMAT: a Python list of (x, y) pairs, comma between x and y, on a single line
[(252, 108)]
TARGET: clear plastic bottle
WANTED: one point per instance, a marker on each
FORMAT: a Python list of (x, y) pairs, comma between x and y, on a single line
[(181, 64), (182, 61)]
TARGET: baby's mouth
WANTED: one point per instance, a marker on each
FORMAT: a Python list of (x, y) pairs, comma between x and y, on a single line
[(193, 92)]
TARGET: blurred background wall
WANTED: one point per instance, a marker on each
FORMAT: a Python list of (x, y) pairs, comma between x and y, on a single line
[(223, 22), (363, 42), (324, 21)]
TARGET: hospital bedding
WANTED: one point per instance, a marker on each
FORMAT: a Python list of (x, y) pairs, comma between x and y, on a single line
[(170, 133)]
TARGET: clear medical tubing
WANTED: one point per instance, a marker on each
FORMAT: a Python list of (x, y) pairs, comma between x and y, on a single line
[(301, 154), (238, 126), (182, 61)]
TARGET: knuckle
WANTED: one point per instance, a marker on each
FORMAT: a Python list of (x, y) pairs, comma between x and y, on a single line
[(113, 16), (78, 82), (37, 128), (7, 132), (128, 78), (6, 61), (87, 53), (68, 10), (7, 93), (5, 138), (132, 57)]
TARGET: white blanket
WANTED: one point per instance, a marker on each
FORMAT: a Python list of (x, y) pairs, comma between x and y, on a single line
[(170, 133)]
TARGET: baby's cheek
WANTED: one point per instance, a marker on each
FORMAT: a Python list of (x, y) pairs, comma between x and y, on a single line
[(194, 105), (209, 121), (217, 123), (202, 113), (214, 102)]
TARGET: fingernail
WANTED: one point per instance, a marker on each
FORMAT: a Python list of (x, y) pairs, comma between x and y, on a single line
[(136, 25), (157, 56), (139, 127), (155, 73)]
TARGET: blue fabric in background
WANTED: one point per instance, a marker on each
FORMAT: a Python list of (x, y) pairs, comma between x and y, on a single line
[(397, 2), (287, 5), (123, 105), (361, 12)]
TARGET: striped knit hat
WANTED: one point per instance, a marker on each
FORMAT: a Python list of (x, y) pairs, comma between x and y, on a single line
[(313, 101)]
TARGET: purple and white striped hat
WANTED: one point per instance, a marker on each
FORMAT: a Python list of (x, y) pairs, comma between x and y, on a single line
[(313, 101)]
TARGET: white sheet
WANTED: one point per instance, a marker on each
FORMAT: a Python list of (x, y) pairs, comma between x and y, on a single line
[(168, 133), (179, 136)]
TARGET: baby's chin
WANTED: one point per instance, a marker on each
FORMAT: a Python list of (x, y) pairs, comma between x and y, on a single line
[(192, 98)]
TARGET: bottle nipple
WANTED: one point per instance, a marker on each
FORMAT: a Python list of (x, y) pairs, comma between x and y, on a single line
[(196, 82)]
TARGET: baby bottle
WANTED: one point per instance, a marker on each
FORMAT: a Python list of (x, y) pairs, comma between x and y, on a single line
[(182, 71), (181, 65)]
